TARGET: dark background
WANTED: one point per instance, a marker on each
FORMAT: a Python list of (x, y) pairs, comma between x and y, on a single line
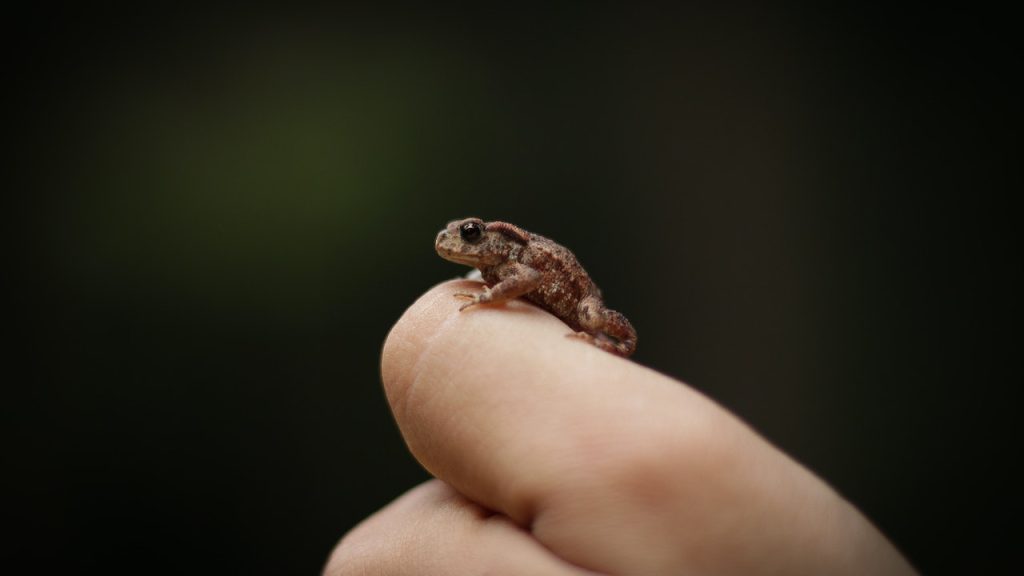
[(802, 212)]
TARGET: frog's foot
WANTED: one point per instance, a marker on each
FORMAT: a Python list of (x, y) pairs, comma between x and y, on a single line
[(474, 299), (581, 336), (602, 341)]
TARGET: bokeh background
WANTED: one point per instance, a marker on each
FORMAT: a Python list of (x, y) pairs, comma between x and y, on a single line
[(226, 210)]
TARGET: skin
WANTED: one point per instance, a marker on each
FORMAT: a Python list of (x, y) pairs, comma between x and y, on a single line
[(557, 459), (514, 262)]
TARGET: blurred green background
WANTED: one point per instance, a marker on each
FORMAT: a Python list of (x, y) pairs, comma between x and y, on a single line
[(227, 210)]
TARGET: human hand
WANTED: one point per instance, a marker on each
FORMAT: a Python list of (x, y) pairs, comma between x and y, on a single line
[(555, 458)]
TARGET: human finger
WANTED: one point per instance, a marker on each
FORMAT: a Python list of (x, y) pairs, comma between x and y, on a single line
[(433, 530), (612, 466), (562, 437)]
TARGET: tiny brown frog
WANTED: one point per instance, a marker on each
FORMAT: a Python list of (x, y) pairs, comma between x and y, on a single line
[(514, 262)]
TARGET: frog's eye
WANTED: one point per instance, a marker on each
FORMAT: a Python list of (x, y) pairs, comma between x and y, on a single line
[(471, 232)]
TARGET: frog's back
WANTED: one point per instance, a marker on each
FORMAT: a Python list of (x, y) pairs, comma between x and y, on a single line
[(564, 282)]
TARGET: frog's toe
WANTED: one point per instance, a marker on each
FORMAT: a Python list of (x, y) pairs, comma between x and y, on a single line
[(602, 341), (472, 300), (468, 304)]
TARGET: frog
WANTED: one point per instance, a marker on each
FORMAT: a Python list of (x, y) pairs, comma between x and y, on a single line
[(515, 263)]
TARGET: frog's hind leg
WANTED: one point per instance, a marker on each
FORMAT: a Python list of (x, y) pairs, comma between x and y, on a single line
[(605, 328)]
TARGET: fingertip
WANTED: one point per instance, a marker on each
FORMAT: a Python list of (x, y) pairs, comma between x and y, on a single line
[(435, 323), (496, 401), (409, 337)]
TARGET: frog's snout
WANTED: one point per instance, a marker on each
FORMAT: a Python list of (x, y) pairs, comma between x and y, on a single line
[(443, 244)]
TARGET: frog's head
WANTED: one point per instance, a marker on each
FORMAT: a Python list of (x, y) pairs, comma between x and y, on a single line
[(473, 242)]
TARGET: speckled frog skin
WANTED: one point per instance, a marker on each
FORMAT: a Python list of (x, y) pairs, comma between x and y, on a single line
[(514, 262)]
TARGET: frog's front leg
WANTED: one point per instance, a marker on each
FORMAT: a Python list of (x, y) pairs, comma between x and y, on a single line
[(516, 279)]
